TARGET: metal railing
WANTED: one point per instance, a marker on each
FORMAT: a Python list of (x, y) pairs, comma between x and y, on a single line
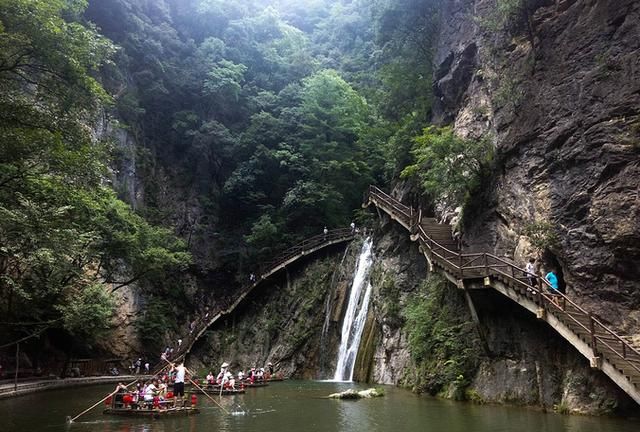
[(289, 255), (484, 264)]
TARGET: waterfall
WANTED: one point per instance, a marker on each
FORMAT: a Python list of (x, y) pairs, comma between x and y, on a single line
[(356, 315), (328, 307)]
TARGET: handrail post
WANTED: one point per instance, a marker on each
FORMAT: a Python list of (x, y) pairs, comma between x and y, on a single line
[(592, 330), (624, 350), (540, 299), (486, 265), (460, 264)]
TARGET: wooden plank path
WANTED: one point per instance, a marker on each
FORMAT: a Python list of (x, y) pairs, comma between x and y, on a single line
[(289, 256), (604, 349)]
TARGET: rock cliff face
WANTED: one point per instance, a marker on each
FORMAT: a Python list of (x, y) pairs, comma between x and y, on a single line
[(520, 360), (292, 321), (557, 87)]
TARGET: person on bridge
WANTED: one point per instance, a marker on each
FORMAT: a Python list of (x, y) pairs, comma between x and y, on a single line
[(252, 277), (353, 227), (325, 231), (553, 281), (531, 271)]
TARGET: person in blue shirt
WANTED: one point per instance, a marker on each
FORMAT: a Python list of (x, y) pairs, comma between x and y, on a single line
[(553, 280)]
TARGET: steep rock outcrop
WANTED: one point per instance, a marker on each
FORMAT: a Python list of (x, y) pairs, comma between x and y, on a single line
[(520, 360), (558, 89)]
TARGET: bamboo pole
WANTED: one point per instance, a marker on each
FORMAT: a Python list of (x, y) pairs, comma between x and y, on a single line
[(200, 388), (71, 420)]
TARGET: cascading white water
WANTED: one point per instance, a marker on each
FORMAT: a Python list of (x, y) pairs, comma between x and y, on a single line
[(356, 315)]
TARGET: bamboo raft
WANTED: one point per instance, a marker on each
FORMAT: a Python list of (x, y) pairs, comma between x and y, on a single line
[(119, 405), (152, 412), (215, 390)]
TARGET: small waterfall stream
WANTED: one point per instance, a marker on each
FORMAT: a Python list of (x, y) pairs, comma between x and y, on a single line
[(356, 315)]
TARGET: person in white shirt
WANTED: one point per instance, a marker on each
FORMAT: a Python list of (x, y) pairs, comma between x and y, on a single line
[(178, 383), (149, 392), (531, 271)]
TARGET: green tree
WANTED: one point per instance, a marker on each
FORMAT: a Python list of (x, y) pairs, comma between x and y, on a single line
[(62, 231), (448, 167)]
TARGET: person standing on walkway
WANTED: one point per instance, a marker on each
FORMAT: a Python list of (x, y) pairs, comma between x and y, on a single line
[(531, 271), (553, 281), (325, 231), (353, 227)]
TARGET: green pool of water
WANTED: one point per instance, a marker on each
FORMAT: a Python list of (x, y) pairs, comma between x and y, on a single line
[(296, 406)]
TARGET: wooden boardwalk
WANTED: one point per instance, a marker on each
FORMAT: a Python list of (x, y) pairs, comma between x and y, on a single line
[(604, 349), (268, 269)]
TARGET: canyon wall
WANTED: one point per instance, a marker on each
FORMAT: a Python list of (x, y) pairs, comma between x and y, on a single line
[(556, 87)]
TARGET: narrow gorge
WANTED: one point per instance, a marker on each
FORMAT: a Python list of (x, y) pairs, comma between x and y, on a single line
[(173, 175)]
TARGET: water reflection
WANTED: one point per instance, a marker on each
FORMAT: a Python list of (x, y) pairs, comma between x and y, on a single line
[(297, 406)]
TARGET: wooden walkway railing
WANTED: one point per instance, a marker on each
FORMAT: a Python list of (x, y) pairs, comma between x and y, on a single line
[(266, 270), (605, 349)]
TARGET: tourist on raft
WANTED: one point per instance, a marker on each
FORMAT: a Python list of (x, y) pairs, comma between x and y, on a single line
[(178, 384), (228, 381), (150, 391), (223, 371), (210, 378)]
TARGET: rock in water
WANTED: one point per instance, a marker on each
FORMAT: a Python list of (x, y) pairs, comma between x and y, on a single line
[(352, 394)]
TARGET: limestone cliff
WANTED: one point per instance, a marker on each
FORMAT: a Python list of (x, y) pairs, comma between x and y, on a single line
[(556, 85), (511, 356)]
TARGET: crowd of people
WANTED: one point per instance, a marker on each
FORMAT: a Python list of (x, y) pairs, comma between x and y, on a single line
[(155, 392), (228, 380)]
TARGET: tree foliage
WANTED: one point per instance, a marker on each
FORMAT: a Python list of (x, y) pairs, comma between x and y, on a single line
[(63, 233), (441, 338), (448, 167)]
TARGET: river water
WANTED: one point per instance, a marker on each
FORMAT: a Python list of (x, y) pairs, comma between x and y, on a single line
[(297, 406)]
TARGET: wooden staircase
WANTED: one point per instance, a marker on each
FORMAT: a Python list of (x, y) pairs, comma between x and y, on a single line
[(605, 350), (289, 256)]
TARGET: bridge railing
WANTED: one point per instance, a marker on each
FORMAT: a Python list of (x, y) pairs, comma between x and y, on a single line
[(307, 245), (485, 264)]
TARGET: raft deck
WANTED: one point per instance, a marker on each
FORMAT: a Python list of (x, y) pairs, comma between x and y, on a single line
[(154, 413)]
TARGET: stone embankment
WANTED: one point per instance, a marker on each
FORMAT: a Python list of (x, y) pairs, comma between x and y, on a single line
[(8, 390)]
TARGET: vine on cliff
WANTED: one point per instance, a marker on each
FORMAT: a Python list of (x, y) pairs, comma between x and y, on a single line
[(442, 341)]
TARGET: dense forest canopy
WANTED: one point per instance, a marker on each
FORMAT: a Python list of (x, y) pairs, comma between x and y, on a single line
[(273, 115), (255, 122)]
